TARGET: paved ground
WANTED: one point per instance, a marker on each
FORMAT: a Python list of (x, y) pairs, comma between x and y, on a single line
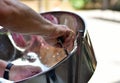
[(104, 30)]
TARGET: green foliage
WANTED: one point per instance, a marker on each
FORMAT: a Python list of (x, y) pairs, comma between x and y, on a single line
[(78, 4)]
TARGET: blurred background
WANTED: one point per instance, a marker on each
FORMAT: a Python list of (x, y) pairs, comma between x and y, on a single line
[(102, 19), (47, 5)]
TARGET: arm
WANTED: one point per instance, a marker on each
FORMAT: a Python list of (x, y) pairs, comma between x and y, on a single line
[(17, 17)]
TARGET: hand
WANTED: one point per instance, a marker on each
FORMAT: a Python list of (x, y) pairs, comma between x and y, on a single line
[(63, 32), (18, 73)]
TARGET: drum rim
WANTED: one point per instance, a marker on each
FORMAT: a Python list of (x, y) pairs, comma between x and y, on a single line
[(70, 54)]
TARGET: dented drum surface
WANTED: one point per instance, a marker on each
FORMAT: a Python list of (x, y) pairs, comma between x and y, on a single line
[(76, 67)]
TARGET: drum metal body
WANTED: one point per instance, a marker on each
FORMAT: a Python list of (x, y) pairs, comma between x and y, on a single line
[(77, 67)]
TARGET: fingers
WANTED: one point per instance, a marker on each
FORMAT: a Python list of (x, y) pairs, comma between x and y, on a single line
[(69, 39), (64, 33)]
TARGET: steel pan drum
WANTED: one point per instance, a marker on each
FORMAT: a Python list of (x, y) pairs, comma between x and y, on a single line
[(75, 67)]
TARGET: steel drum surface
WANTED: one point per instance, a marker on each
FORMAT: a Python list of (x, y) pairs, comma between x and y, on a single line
[(76, 67)]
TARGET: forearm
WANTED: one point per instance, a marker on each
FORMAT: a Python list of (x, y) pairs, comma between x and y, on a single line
[(17, 17)]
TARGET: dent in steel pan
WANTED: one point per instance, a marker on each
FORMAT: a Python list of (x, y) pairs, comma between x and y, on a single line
[(58, 67)]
